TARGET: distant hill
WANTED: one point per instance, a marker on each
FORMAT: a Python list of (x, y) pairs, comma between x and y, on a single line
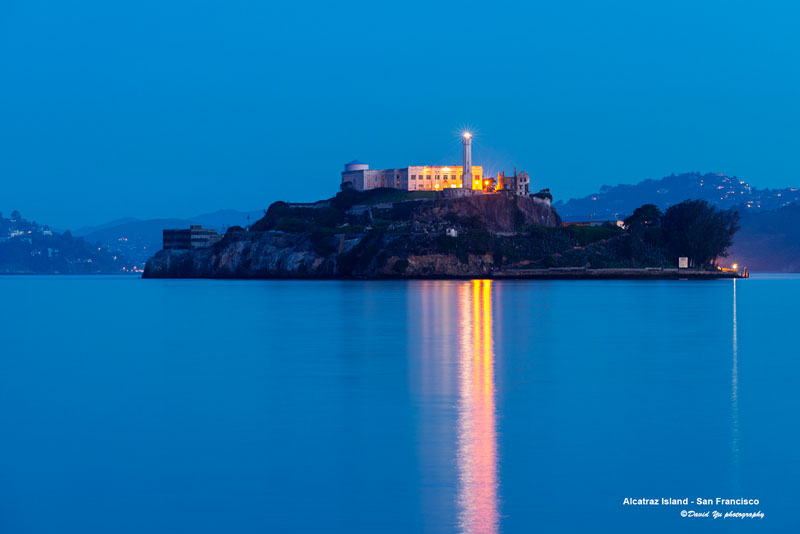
[(222, 219), (218, 220), (619, 201), (139, 239), (769, 241), (116, 222), (148, 231), (27, 247)]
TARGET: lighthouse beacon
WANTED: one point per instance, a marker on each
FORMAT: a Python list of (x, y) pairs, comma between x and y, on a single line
[(466, 177)]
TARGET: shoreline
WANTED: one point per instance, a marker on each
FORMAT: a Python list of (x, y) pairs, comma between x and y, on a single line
[(568, 273)]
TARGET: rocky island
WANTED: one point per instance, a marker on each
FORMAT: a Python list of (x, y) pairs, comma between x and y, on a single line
[(389, 234)]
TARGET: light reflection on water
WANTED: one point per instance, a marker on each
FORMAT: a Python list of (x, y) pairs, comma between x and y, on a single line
[(735, 396), (477, 432), (458, 427)]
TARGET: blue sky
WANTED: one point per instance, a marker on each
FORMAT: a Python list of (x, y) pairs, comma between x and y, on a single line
[(175, 108)]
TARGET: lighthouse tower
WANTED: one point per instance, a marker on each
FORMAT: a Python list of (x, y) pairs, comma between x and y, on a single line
[(466, 178)]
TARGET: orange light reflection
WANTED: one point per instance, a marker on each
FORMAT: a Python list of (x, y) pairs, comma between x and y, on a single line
[(477, 437)]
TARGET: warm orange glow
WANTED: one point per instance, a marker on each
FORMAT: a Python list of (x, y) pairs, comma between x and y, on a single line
[(477, 438), (735, 266)]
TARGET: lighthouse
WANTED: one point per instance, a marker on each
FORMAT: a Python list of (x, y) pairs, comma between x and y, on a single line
[(466, 178)]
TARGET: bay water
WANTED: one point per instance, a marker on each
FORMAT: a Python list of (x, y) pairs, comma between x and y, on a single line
[(131, 405)]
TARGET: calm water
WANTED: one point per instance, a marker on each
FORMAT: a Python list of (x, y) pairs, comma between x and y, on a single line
[(131, 405)]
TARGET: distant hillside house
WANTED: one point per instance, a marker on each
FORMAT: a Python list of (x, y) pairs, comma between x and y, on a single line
[(189, 239), (359, 176)]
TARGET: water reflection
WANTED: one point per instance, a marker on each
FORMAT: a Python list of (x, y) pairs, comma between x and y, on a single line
[(735, 393), (477, 435)]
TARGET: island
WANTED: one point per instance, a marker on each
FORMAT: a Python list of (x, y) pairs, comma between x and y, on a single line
[(386, 233)]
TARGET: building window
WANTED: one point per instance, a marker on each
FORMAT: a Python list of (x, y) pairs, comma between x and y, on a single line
[(437, 176), (413, 176)]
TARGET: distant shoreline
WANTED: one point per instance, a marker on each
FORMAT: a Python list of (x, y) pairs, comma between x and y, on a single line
[(115, 273)]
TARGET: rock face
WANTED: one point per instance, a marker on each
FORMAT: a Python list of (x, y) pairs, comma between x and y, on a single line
[(495, 213), (244, 255), (267, 255), (407, 239)]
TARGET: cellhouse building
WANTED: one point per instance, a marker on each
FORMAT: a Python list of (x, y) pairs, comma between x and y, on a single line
[(359, 176)]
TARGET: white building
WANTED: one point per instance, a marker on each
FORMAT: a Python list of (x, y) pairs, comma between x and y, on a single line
[(360, 177)]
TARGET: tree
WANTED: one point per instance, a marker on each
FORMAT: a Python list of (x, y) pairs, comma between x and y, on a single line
[(647, 215), (699, 231), (646, 236)]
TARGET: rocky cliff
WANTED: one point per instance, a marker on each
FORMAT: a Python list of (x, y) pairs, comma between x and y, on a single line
[(393, 234)]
